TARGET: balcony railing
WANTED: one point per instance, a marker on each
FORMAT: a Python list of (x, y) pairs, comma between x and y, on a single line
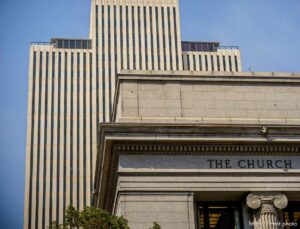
[(42, 43), (228, 47), (67, 43)]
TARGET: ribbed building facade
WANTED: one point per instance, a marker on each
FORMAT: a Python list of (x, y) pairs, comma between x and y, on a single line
[(210, 56), (71, 90)]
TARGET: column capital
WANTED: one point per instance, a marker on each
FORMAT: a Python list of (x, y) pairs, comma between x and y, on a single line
[(256, 199)]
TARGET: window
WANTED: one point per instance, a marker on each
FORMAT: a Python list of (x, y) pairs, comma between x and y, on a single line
[(66, 44), (157, 38), (170, 38), (140, 37), (151, 37), (230, 63), (200, 62), (219, 215), (188, 63), (85, 44), (224, 63), (236, 63), (146, 38), (121, 36), (133, 36), (78, 44), (176, 40), (164, 37), (127, 37), (72, 44)]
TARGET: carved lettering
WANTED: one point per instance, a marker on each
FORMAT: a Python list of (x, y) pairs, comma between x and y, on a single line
[(260, 164), (270, 164), (228, 164), (219, 164), (210, 163), (279, 164), (250, 164), (288, 164), (242, 164)]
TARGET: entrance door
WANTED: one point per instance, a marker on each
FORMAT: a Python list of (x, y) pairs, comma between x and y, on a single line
[(291, 216), (213, 215)]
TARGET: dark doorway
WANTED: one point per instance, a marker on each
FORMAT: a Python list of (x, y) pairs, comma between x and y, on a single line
[(291, 216), (219, 215)]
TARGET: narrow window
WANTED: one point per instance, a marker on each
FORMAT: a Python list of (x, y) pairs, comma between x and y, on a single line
[(39, 137), (218, 62), (52, 137), (103, 66), (133, 36), (121, 35), (140, 36), (146, 38), (194, 62), (206, 63), (200, 62), (164, 37), (84, 129), (157, 39), (230, 63), (170, 38), (109, 61), (151, 37), (236, 64), (127, 38), (45, 137), (71, 128), (65, 130), (212, 63), (97, 65), (115, 45), (78, 127), (58, 136), (91, 125), (224, 63), (176, 39)]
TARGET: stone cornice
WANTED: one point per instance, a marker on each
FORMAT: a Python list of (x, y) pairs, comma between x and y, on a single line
[(198, 74), (209, 149), (117, 139)]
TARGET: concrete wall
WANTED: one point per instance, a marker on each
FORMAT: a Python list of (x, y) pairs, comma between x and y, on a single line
[(218, 100)]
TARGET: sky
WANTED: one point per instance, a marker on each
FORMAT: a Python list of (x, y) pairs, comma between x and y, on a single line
[(266, 31)]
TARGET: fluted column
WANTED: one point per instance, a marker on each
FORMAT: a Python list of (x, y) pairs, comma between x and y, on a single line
[(266, 205)]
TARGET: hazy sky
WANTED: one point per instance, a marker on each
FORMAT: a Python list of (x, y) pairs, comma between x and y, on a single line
[(267, 32)]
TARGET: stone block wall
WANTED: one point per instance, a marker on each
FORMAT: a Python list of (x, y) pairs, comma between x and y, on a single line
[(170, 210), (182, 101)]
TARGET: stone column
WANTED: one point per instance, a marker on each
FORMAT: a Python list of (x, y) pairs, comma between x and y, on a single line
[(266, 205)]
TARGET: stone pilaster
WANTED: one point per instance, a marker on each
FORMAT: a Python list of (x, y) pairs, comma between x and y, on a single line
[(266, 206)]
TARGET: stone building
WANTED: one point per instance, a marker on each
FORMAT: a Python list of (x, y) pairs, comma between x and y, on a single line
[(202, 150)]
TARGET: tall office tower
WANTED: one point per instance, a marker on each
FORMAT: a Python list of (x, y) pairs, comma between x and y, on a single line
[(210, 56), (61, 129), (71, 89), (136, 35)]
